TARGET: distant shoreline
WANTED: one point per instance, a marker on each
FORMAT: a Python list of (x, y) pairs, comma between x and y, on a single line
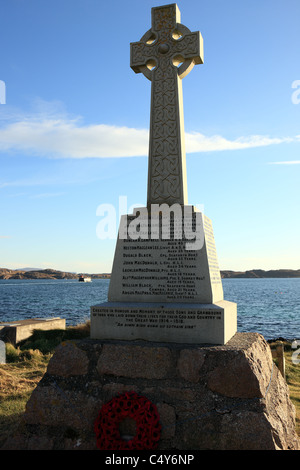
[(261, 274), (46, 274), (54, 274)]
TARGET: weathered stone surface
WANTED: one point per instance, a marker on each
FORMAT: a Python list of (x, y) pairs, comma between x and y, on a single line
[(22, 441), (68, 360), (234, 430), (134, 361), (198, 410), (53, 406), (167, 420), (171, 394), (244, 374), (111, 390), (40, 443), (189, 364)]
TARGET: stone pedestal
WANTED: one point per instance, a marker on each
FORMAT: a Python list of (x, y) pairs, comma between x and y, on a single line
[(228, 397), (165, 286)]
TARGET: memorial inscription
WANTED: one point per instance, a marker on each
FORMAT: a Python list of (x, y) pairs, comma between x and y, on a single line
[(183, 323), (147, 270)]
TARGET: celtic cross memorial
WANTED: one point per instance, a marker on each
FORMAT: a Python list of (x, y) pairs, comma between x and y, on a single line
[(165, 54), (160, 290)]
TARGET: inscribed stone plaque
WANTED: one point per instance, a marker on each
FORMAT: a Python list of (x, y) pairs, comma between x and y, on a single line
[(175, 323), (2, 352), (164, 270)]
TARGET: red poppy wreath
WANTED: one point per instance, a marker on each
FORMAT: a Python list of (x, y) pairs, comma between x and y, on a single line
[(128, 405)]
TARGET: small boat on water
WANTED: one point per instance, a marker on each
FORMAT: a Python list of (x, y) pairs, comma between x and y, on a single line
[(84, 279)]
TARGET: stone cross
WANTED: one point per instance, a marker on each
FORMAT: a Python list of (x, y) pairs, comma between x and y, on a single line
[(165, 54)]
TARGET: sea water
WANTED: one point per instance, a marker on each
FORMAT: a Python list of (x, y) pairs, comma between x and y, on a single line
[(270, 307)]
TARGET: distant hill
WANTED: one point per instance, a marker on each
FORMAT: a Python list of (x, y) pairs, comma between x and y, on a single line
[(260, 273), (32, 273), (35, 274), (29, 273), (29, 269)]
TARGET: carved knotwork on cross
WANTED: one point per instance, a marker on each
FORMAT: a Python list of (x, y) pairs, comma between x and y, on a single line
[(165, 54)]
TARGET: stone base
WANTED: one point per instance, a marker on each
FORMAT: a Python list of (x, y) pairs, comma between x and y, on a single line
[(16, 331), (170, 322), (208, 397)]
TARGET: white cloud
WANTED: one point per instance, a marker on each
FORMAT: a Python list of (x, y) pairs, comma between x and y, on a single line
[(196, 142), (59, 136), (46, 195), (66, 139)]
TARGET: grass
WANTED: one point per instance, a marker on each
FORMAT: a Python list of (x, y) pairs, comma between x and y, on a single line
[(292, 376), (27, 364), (293, 380), (24, 368), (46, 341)]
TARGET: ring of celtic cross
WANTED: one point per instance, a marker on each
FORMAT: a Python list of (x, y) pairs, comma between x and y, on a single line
[(170, 39)]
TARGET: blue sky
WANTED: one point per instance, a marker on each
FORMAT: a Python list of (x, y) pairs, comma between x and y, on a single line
[(74, 128)]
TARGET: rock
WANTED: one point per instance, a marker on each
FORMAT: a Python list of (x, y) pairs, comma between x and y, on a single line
[(134, 361), (189, 364), (68, 360), (228, 397), (245, 373)]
